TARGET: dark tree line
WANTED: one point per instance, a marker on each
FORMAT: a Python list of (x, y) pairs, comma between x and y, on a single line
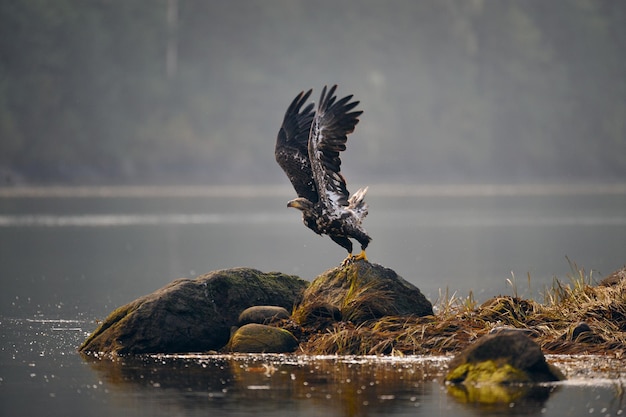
[(138, 91)]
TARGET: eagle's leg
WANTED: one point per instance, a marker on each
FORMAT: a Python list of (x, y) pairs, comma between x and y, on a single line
[(364, 240), (360, 257), (345, 243)]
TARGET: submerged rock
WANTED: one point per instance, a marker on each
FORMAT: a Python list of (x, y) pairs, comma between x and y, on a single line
[(191, 315), (360, 291), (259, 338), (502, 358)]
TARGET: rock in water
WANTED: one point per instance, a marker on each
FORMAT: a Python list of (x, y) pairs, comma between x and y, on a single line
[(259, 338), (502, 358), (362, 291), (191, 315)]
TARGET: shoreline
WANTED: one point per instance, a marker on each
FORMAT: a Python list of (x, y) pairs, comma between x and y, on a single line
[(276, 190)]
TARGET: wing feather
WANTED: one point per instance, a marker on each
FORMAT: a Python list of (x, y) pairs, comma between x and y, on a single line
[(332, 123), (291, 151)]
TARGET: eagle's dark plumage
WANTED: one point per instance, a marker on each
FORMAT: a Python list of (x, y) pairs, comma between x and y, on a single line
[(307, 149)]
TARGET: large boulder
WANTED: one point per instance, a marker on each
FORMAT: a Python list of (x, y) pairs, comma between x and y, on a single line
[(191, 315), (360, 291)]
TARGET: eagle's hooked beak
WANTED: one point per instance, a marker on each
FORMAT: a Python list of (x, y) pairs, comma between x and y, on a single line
[(295, 204), (300, 203)]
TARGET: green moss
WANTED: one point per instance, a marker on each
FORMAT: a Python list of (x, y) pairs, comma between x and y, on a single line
[(491, 372), (114, 318)]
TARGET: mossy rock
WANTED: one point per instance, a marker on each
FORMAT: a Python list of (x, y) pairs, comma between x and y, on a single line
[(361, 291), (191, 315), (503, 358), (260, 338)]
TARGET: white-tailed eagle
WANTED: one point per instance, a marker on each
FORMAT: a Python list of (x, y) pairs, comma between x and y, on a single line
[(307, 149)]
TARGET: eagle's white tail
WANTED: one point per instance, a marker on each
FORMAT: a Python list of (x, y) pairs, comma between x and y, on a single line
[(357, 203)]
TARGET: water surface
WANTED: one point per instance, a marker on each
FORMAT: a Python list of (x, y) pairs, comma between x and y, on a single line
[(68, 259)]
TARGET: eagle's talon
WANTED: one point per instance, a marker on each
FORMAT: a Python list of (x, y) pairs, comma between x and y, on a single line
[(353, 258), (360, 257)]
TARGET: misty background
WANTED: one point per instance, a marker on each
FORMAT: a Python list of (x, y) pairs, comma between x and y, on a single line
[(194, 91)]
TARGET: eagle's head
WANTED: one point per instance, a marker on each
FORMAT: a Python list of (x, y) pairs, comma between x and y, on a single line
[(309, 216), (301, 204)]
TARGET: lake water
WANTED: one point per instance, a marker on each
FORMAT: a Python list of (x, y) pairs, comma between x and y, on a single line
[(69, 257)]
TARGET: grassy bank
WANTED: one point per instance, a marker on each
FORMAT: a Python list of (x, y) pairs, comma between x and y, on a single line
[(576, 316)]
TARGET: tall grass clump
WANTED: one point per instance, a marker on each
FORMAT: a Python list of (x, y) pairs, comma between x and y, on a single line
[(577, 315)]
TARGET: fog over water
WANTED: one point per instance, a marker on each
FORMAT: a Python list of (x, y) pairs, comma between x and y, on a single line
[(185, 91)]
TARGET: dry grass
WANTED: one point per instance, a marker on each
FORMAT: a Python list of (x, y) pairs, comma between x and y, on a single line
[(460, 321)]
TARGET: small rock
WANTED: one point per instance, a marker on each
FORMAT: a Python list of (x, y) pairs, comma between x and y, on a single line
[(580, 328), (260, 338), (582, 333), (262, 315)]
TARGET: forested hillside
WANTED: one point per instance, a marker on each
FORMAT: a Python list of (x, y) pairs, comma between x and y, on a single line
[(193, 91)]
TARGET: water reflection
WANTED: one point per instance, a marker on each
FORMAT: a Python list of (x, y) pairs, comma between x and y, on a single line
[(347, 386), (41, 374), (493, 397)]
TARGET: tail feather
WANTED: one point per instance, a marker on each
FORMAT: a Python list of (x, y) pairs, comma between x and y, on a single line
[(357, 203)]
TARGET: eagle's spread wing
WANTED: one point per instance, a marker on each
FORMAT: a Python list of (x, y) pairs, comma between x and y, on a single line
[(331, 125), (291, 150)]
